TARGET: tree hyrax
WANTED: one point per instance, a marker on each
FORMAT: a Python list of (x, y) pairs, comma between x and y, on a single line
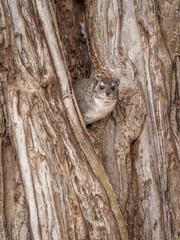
[(96, 97)]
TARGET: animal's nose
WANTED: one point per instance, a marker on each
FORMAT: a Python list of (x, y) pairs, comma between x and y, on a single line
[(107, 93)]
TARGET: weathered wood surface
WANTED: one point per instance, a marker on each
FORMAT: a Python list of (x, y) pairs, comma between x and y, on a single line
[(54, 183), (138, 42), (68, 195)]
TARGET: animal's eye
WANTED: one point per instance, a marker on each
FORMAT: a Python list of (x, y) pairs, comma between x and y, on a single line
[(101, 87), (113, 88)]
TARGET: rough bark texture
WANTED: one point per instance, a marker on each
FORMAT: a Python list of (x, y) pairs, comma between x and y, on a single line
[(52, 183), (62, 197), (146, 179), (72, 27)]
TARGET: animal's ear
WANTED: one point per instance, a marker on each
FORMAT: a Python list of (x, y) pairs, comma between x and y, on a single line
[(97, 79), (117, 81), (94, 83)]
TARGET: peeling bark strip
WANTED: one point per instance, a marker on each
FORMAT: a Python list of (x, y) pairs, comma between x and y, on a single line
[(65, 198), (128, 121)]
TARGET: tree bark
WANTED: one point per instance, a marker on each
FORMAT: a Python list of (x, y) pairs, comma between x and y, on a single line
[(119, 178), (145, 174), (67, 192)]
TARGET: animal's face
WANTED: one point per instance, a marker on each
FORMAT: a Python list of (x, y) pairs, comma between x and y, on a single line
[(106, 88)]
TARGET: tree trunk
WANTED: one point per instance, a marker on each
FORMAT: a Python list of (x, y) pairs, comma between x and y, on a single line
[(118, 179)]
